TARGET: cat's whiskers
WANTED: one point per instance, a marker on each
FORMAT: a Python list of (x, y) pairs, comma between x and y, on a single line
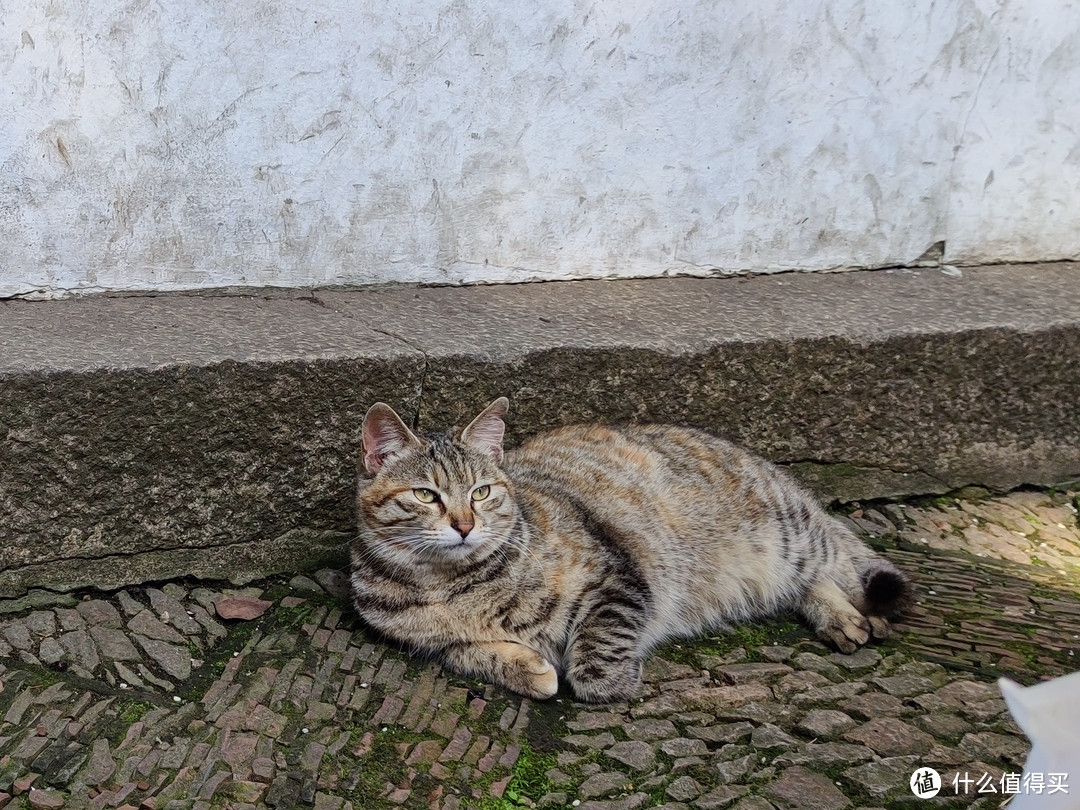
[(521, 543), (396, 561)]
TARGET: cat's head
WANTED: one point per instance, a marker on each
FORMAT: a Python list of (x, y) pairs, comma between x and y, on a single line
[(443, 499)]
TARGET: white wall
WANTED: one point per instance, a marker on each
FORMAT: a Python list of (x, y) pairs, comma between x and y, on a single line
[(166, 145)]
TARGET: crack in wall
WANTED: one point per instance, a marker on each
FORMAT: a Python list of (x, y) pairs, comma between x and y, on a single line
[(45, 294), (423, 370), (120, 556)]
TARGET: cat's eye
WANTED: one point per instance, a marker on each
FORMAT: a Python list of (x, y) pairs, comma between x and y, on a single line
[(480, 493), (425, 495)]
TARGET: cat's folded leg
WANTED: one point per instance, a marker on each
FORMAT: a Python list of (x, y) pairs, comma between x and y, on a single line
[(602, 663), (834, 618), (515, 666)]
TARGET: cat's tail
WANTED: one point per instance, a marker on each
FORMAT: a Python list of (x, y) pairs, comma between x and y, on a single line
[(887, 591)]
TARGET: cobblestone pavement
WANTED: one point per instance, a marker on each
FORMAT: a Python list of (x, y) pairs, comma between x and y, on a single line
[(187, 696)]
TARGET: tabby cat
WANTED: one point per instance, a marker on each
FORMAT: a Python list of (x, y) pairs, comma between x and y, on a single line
[(576, 553)]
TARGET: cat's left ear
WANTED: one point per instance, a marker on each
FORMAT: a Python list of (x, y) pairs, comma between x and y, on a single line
[(485, 432)]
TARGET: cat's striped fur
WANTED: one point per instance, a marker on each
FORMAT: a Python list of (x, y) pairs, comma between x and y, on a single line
[(587, 546)]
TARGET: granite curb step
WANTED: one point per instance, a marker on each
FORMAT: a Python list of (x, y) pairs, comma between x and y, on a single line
[(145, 439)]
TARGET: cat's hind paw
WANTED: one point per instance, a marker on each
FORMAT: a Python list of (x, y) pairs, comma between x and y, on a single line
[(834, 618), (848, 632), (879, 626)]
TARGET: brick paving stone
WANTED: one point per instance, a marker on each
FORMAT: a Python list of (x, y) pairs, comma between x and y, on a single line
[(629, 803), (947, 726), (206, 622), (770, 736), (663, 705), (101, 765), (477, 750), (17, 635), (754, 803), (169, 609), (799, 788), (683, 789), (684, 684), (753, 712), (874, 704), (660, 669), (262, 769), (18, 707), (144, 623), (45, 799), (883, 777), (726, 732), (863, 658), (684, 747), (426, 752), (825, 723), (890, 736), (692, 718), (112, 642), (128, 605), (720, 797), (966, 692), (635, 754), (776, 653), (745, 673), (24, 783), (457, 746), (40, 623), (99, 613), (736, 769), (712, 698), (590, 741), (29, 747), (242, 791), (799, 682), (826, 755), (828, 694), (904, 685), (988, 745), (604, 784), (69, 619), (174, 659), (649, 730), (812, 662)]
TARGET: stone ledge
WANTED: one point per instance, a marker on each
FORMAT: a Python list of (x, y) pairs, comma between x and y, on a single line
[(129, 425)]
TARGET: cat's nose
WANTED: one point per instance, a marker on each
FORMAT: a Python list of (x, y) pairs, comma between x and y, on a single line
[(463, 528)]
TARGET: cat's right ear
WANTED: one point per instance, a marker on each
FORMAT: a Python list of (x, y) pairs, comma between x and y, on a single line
[(384, 435)]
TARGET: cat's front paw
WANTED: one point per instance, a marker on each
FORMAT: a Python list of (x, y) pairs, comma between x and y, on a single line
[(542, 680), (529, 673), (609, 683)]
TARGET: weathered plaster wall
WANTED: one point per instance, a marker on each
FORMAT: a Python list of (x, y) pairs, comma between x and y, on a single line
[(149, 145)]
